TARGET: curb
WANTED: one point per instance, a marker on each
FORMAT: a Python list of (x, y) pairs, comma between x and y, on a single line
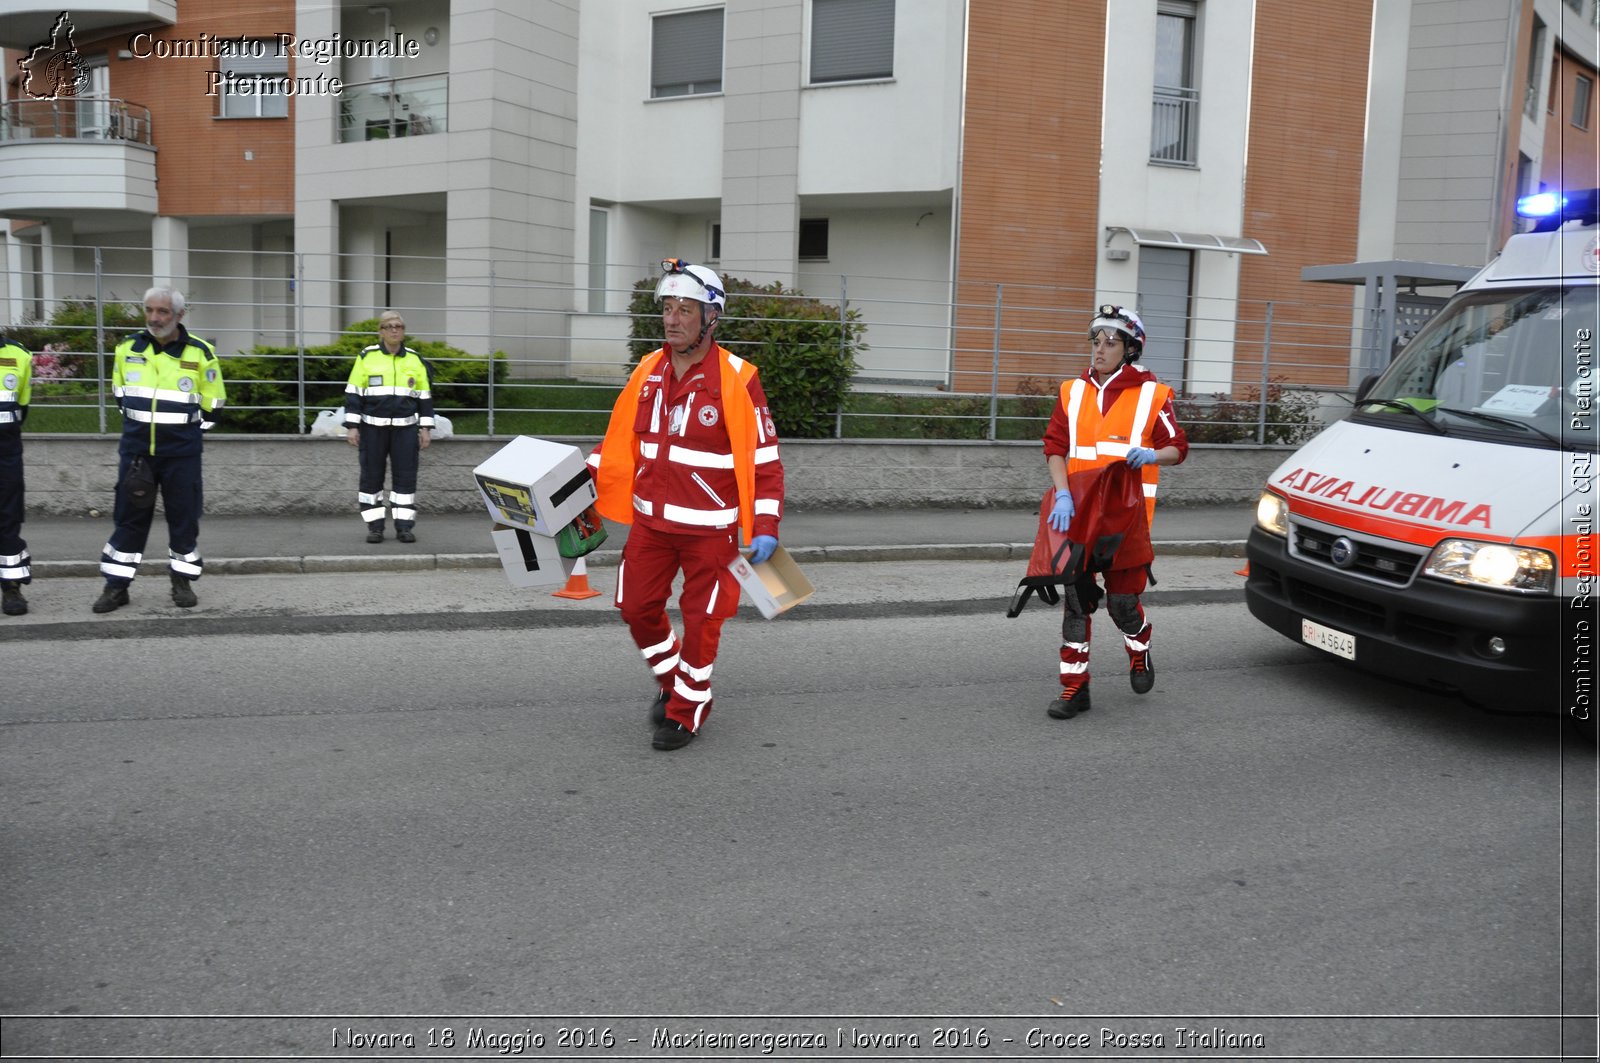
[(313, 565)]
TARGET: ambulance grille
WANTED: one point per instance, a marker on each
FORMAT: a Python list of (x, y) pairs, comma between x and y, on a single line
[(1383, 563)]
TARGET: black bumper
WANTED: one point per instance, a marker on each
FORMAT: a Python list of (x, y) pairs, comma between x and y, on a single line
[(1430, 633)]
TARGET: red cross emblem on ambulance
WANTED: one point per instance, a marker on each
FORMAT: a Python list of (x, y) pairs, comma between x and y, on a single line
[(1591, 256)]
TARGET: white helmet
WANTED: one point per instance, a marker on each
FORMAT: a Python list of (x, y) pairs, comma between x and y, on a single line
[(691, 282)]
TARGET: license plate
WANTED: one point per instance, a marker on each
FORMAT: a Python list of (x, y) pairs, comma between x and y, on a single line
[(1326, 638)]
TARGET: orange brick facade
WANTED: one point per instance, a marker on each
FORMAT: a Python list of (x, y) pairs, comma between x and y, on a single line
[(1571, 157), (201, 168), (1303, 184), (1030, 185)]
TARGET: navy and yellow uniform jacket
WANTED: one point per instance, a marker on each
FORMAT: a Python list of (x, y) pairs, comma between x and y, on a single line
[(389, 390), (169, 395), (16, 375)]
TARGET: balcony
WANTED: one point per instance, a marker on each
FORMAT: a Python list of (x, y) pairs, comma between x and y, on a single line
[(1173, 126), (26, 23), (76, 154), (394, 107)]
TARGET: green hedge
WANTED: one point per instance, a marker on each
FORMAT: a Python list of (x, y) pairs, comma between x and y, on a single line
[(268, 376), (806, 355)]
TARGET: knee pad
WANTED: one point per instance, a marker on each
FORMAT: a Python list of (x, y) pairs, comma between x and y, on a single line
[(1125, 612)]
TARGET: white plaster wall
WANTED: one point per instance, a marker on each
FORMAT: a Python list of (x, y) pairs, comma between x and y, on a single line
[(76, 175), (890, 136)]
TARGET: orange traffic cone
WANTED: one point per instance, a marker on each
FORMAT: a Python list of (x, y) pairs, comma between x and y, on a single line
[(577, 587), (1242, 571)]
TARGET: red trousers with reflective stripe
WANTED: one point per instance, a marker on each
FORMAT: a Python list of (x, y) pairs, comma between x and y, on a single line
[(651, 560), (1075, 640)]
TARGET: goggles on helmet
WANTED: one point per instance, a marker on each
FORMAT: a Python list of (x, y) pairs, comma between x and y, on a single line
[(1111, 316)]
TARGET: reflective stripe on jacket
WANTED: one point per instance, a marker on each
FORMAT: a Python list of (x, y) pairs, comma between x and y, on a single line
[(1099, 438), (684, 472), (389, 390), (169, 396), (16, 374)]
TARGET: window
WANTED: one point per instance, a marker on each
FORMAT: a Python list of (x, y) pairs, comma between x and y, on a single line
[(1555, 83), (813, 239), (716, 243), (251, 83), (1530, 103), (1582, 101), (851, 40), (686, 53), (1177, 99)]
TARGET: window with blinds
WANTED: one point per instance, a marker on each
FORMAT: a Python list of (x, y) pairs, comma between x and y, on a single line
[(253, 85), (686, 53), (851, 40)]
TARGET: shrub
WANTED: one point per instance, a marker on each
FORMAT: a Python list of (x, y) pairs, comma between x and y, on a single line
[(269, 376), (1291, 417), (805, 354), (70, 336)]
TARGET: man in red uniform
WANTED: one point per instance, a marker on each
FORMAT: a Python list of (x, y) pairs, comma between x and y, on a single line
[(690, 459), (1116, 411)]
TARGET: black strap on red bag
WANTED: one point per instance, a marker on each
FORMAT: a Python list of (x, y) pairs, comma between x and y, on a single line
[(1109, 530)]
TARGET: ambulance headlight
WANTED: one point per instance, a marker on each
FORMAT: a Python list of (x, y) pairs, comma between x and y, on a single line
[(1494, 565), (1272, 514)]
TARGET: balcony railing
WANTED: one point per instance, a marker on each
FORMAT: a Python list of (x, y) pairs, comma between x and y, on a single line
[(1172, 125), (394, 107), (75, 118)]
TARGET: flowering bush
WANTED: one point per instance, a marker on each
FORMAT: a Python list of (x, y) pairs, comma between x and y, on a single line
[(54, 364)]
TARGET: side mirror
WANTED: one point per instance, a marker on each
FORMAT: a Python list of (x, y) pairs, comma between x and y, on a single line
[(1365, 387)]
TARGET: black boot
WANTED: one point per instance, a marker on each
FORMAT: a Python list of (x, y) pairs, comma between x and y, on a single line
[(111, 598), (183, 595), (1069, 705), (11, 599), (375, 532)]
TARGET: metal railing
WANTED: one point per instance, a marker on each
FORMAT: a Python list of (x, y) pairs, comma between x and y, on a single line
[(1172, 125), (75, 118), (394, 107), (986, 363)]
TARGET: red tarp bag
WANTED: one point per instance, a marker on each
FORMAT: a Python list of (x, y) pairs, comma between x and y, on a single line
[(1109, 530)]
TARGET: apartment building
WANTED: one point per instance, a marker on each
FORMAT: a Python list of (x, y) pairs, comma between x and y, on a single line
[(973, 175)]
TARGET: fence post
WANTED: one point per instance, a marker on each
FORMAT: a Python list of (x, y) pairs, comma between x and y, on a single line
[(994, 368), (298, 284), (844, 298), (489, 419), (100, 334), (1266, 366)]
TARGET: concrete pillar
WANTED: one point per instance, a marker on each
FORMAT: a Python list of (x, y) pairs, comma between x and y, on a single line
[(761, 139), (56, 264), (316, 235), (16, 282), (169, 253)]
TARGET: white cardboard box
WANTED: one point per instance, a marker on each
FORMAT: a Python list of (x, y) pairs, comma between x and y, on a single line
[(535, 484), (775, 585), (530, 559)]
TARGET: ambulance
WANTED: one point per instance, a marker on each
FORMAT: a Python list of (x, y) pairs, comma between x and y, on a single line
[(1442, 534)]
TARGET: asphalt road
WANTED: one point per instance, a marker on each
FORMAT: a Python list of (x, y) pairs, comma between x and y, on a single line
[(374, 832)]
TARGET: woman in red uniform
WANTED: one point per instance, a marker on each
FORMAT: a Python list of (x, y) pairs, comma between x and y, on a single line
[(1115, 411)]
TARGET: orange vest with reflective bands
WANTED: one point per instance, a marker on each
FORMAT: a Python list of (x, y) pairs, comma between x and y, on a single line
[(619, 451), (1100, 439)]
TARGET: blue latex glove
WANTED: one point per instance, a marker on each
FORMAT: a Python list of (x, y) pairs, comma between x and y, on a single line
[(761, 548), (1140, 456), (1061, 512)]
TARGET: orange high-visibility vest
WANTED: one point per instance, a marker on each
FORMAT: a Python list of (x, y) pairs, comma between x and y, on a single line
[(619, 450), (1100, 439)]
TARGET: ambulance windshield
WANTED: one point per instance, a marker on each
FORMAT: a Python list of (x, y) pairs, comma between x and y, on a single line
[(1518, 363)]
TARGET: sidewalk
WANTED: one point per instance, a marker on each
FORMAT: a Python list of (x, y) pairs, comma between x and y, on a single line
[(70, 546)]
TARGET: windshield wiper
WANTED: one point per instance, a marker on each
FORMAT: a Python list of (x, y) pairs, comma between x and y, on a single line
[(1497, 419), (1392, 404)]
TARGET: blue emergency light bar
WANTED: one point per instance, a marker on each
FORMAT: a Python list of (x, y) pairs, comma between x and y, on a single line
[(1550, 209)]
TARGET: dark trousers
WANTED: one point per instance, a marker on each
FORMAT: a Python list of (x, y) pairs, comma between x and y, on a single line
[(179, 482), (394, 450), (14, 562)]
